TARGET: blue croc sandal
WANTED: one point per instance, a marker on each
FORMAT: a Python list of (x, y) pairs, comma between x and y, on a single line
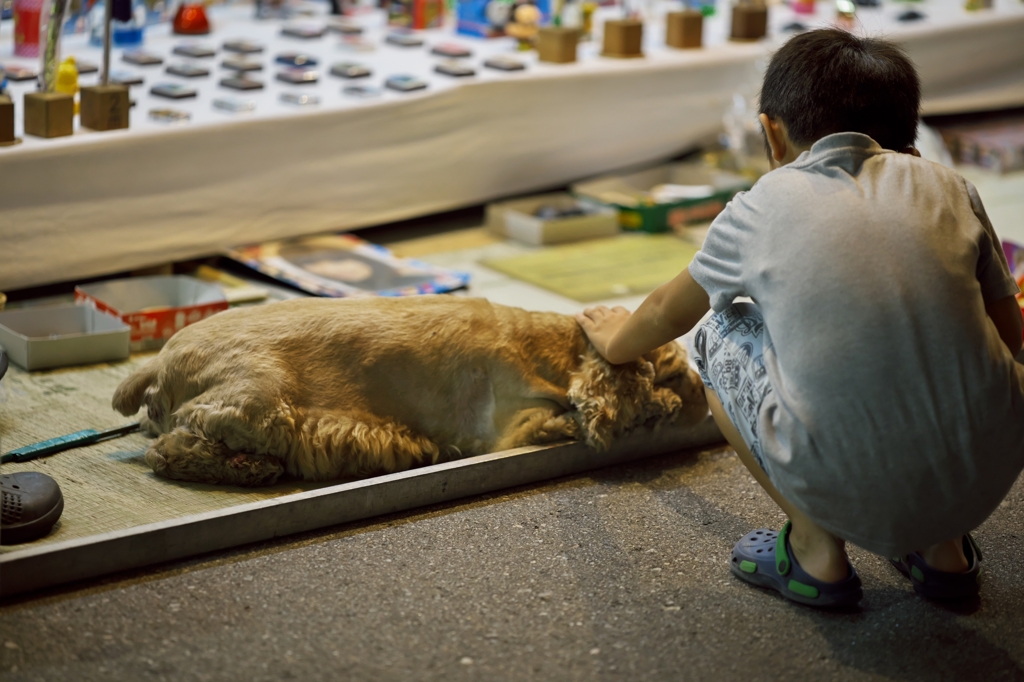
[(764, 558), (935, 584)]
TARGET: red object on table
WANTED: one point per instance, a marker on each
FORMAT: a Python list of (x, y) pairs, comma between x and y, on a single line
[(417, 14), (154, 307), (26, 27), (191, 20)]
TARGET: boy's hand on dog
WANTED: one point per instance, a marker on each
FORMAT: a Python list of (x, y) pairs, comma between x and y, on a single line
[(601, 324)]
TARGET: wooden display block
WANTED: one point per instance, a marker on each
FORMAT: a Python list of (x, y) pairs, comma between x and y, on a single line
[(684, 29), (49, 114), (7, 126), (105, 107), (623, 39), (749, 21), (557, 44)]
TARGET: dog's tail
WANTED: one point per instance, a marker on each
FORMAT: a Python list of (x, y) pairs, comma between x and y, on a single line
[(128, 396)]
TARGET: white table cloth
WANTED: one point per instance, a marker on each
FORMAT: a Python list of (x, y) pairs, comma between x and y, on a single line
[(96, 203)]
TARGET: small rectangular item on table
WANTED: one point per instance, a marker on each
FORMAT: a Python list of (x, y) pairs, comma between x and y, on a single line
[(59, 336), (553, 218)]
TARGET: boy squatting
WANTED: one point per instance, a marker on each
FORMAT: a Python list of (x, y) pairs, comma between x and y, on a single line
[(870, 387)]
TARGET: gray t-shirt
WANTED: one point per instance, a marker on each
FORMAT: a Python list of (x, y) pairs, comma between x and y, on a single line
[(896, 419)]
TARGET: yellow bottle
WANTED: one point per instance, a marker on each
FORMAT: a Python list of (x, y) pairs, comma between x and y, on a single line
[(67, 79), (587, 12)]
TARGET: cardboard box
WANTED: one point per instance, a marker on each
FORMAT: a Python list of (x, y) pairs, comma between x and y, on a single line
[(749, 21), (49, 114), (631, 195), (557, 44), (516, 219), (57, 336), (105, 107), (623, 39), (7, 137), (684, 30), (154, 307)]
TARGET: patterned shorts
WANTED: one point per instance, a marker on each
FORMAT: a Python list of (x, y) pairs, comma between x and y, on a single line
[(730, 357)]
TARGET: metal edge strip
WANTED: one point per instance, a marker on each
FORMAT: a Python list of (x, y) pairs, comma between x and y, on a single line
[(54, 564)]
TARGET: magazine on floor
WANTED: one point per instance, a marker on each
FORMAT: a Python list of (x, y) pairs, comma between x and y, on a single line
[(346, 266)]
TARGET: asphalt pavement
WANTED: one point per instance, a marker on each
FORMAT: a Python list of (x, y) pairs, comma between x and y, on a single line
[(621, 574)]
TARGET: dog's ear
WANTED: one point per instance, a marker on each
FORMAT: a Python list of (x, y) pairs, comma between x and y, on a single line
[(609, 399)]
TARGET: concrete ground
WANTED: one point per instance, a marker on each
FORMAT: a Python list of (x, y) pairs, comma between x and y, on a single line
[(617, 575)]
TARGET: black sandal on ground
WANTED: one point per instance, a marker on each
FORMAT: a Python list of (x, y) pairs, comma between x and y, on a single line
[(31, 503), (935, 584)]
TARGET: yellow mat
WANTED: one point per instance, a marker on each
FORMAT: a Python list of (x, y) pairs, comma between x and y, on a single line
[(106, 486), (602, 268)]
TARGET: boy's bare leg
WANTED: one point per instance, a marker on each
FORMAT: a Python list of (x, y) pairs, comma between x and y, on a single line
[(818, 552)]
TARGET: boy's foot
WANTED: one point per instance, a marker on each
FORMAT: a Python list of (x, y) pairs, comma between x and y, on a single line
[(946, 556), (932, 583), (765, 558)]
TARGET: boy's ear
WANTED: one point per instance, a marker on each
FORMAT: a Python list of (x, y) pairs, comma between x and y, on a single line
[(912, 151), (774, 134)]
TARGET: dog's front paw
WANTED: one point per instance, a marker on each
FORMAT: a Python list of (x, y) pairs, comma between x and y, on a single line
[(254, 470), (156, 461), (186, 456)]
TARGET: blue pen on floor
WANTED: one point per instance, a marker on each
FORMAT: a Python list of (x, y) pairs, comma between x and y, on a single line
[(61, 443)]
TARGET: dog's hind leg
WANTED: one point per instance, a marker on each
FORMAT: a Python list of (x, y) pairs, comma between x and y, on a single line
[(333, 445), (187, 456), (536, 425), (316, 445)]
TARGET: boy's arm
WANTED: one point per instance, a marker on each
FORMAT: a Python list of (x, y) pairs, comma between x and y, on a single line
[(669, 312), (1006, 315)]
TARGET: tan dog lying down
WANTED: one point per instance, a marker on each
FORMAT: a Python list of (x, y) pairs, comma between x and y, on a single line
[(327, 389)]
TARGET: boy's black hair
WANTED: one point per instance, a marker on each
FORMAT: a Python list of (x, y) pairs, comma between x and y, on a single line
[(830, 81)]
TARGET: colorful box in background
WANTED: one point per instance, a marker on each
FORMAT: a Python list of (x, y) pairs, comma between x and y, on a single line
[(417, 14), (1015, 257), (154, 307), (997, 145), (665, 197), (487, 18)]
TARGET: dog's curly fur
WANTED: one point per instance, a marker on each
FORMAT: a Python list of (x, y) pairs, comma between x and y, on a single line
[(326, 389)]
